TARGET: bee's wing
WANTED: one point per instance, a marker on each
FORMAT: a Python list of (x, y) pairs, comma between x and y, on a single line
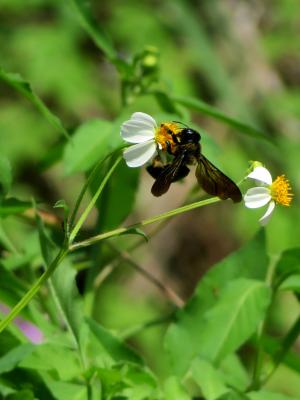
[(214, 182), (170, 173)]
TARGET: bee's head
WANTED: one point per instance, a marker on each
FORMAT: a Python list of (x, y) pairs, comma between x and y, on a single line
[(188, 135)]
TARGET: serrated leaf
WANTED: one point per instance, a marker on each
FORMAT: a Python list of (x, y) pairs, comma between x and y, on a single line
[(65, 390), (209, 379), (182, 341), (234, 318), (11, 359), (22, 86), (62, 283), (117, 350), (66, 292), (53, 357), (173, 389), (292, 282), (289, 262), (235, 373)]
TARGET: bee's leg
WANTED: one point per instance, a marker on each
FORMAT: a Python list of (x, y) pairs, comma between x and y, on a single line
[(175, 138), (156, 168), (169, 148)]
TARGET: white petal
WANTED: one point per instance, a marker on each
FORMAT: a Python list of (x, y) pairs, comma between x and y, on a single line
[(138, 154), (257, 197), (265, 218), (146, 118), (136, 132), (261, 174)]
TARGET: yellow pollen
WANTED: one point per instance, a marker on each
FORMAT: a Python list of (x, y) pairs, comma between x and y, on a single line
[(281, 191), (163, 134)]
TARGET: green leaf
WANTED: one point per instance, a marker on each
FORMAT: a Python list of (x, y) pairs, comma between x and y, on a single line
[(91, 142), (273, 347), (129, 380), (11, 287), (209, 379), (6, 389), (289, 262), (23, 87), (48, 248), (235, 317), (20, 378), (25, 394), (182, 338), (118, 197), (5, 176), (61, 204), (265, 395), (135, 231), (166, 103), (67, 296), (12, 359), (207, 109), (93, 28), (65, 390), (232, 395), (173, 389), (50, 357), (292, 282), (62, 284), (116, 349), (235, 373), (13, 206)]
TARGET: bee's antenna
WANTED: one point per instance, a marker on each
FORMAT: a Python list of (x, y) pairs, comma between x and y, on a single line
[(178, 122)]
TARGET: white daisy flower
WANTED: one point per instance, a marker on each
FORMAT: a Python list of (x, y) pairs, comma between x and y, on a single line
[(268, 192), (141, 130)]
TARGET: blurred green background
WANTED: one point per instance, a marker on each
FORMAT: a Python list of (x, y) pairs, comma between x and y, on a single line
[(240, 56)]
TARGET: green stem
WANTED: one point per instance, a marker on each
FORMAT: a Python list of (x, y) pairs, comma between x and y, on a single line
[(119, 231), (149, 324), (258, 363), (287, 343), (86, 186), (91, 204), (65, 250), (33, 290)]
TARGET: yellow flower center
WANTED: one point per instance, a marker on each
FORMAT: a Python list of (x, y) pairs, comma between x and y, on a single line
[(281, 191), (164, 133)]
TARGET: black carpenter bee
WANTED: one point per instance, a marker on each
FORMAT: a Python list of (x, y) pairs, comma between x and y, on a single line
[(183, 144)]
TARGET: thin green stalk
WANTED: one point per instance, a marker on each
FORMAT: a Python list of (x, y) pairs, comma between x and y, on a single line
[(287, 343), (33, 290), (119, 231), (166, 290), (86, 186), (4, 238), (65, 250), (149, 324), (258, 363), (91, 204)]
